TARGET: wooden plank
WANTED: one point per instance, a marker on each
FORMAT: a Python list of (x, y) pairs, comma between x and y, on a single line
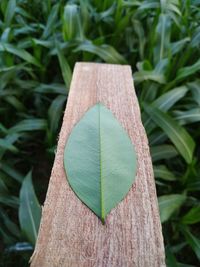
[(70, 234)]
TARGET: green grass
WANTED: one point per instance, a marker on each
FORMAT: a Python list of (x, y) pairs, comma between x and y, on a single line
[(40, 43)]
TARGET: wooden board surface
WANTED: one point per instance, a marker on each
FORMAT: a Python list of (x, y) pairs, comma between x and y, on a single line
[(70, 234)]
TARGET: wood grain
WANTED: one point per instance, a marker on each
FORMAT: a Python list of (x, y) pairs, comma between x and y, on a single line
[(70, 234)]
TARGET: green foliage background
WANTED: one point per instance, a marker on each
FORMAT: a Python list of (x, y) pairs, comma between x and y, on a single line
[(40, 43)]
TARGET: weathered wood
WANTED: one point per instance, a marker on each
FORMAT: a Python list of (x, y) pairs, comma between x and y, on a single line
[(70, 234)]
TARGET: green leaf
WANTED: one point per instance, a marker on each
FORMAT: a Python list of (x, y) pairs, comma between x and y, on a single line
[(179, 45), (161, 171), (163, 29), (194, 185), (29, 210), (29, 125), (10, 225), (168, 204), (44, 43), (157, 138), (193, 241), (11, 171), (164, 103), (163, 152), (150, 94), (72, 27), (150, 4), (196, 38), (170, 258), (194, 87), (105, 15), (138, 28), (65, 68), (143, 75), (22, 53), (3, 187), (10, 11), (5, 144), (177, 134), (5, 197), (167, 100), (54, 112), (12, 100), (10, 201), (51, 21), (100, 160), (105, 52), (189, 116), (52, 88), (193, 216), (188, 71)]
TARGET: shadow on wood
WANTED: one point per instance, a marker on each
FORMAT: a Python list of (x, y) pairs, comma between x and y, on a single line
[(70, 234)]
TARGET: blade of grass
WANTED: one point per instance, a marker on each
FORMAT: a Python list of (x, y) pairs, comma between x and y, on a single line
[(29, 125), (105, 52), (29, 210), (65, 68), (163, 152), (177, 134), (20, 53), (10, 11), (168, 204)]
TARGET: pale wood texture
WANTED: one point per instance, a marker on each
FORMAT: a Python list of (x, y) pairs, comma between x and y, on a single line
[(70, 234)]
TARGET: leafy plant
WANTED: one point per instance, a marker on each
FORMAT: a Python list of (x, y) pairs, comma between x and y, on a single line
[(40, 43)]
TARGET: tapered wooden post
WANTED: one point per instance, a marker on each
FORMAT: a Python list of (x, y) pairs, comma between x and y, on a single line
[(70, 234)]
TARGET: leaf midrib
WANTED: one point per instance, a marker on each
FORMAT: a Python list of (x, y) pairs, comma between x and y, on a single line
[(101, 177)]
